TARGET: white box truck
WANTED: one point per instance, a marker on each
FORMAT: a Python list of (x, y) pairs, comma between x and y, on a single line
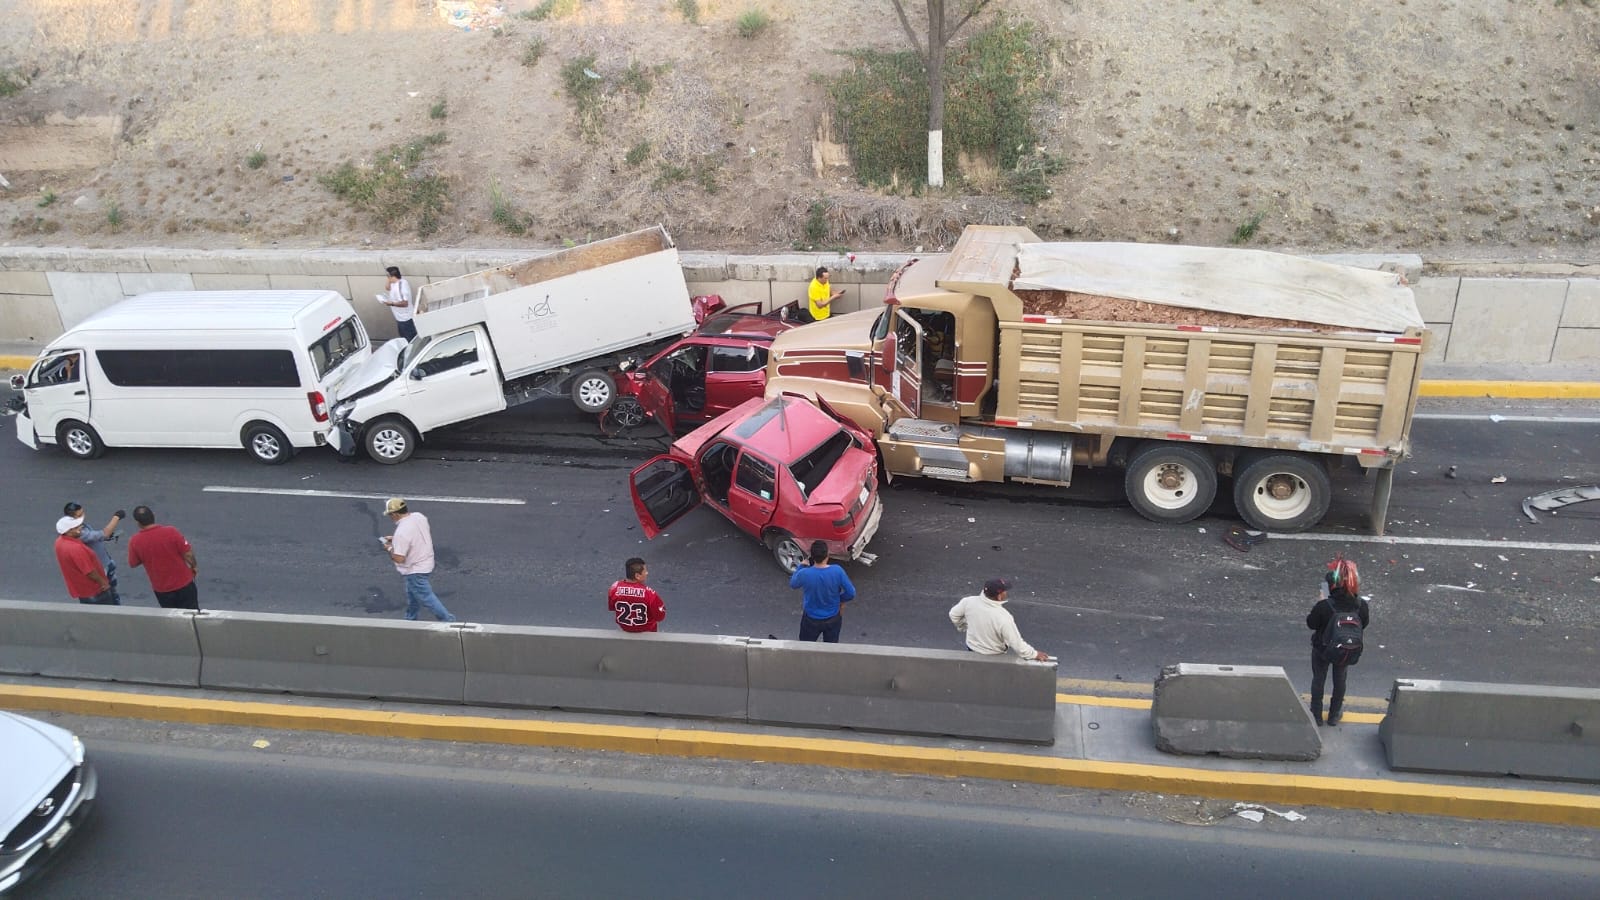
[(548, 326)]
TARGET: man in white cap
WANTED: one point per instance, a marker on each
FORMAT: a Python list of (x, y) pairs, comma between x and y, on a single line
[(411, 549), (989, 627), (80, 567)]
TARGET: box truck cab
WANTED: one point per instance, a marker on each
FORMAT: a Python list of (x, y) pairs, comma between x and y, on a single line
[(224, 369)]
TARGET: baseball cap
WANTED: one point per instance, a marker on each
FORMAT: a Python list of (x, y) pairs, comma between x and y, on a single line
[(996, 585), (395, 505), (67, 523)]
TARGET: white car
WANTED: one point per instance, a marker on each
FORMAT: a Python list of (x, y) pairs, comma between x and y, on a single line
[(45, 794)]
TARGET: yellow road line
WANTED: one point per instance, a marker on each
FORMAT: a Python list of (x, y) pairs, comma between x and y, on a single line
[(1096, 688), (1520, 390), (1354, 793), (1144, 703)]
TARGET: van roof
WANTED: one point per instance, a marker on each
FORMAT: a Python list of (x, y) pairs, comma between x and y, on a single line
[(181, 310)]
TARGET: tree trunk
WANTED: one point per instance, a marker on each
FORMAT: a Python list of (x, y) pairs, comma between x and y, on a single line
[(935, 59)]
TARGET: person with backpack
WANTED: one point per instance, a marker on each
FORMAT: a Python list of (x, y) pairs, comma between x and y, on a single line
[(1336, 622)]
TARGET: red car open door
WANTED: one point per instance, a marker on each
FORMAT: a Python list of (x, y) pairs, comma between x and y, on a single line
[(663, 491)]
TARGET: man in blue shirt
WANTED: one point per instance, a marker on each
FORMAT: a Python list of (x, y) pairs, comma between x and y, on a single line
[(825, 587)]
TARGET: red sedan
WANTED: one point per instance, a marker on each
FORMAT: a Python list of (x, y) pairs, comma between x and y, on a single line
[(784, 470)]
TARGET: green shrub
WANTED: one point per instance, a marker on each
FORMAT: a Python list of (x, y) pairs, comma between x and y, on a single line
[(398, 188), (551, 9), (816, 222), (587, 89), (752, 23), (48, 198), (1247, 229), (11, 83), (114, 215), (533, 52), (439, 109), (690, 10), (637, 78), (255, 160), (504, 213), (1030, 179), (637, 154)]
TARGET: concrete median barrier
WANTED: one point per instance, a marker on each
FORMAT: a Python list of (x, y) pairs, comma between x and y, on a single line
[(341, 657), (608, 671), (939, 692), (1471, 728), (102, 643), (1242, 712)]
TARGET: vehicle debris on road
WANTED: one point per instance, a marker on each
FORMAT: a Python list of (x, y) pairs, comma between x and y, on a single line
[(1550, 501)]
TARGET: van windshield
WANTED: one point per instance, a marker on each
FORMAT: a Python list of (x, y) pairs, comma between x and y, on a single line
[(336, 346), (813, 468)]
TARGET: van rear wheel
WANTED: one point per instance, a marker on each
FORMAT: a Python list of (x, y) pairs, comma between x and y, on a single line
[(266, 444), (80, 441), (390, 441)]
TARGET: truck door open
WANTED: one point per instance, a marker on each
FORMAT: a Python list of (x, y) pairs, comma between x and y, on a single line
[(897, 367), (663, 491)]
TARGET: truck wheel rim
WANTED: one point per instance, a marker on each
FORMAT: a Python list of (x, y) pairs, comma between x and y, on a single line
[(1169, 486), (1282, 496), (593, 392), (266, 446), (78, 442), (388, 443)]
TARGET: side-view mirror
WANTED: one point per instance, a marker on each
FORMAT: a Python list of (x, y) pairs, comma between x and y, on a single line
[(418, 374), (18, 382)]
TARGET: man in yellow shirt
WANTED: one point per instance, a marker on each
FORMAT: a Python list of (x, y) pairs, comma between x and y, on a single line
[(820, 296)]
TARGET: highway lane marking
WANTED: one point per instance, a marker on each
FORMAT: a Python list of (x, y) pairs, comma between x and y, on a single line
[(358, 495), (1496, 417), (1439, 542)]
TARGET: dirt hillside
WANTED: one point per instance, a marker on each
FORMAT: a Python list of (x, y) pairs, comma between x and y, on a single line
[(1463, 128)]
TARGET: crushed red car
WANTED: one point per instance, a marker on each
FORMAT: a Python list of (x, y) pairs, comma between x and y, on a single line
[(701, 376), (785, 471)]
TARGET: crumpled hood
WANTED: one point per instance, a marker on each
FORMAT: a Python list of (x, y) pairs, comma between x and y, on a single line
[(35, 756), (377, 370)]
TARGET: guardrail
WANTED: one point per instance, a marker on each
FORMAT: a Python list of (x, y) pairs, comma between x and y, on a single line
[(1471, 728), (892, 689)]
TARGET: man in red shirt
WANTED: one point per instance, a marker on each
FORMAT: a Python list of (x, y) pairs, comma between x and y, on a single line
[(168, 560), (80, 566), (635, 605)]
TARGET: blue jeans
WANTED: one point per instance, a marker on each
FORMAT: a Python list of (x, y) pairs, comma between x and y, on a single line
[(420, 593), (827, 629)]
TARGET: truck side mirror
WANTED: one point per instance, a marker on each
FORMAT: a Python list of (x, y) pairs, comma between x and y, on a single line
[(418, 374), (18, 382)]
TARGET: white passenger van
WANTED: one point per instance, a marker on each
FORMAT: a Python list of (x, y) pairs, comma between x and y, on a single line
[(251, 369)]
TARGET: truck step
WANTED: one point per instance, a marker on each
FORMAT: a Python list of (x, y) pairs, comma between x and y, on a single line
[(947, 473), (925, 430)]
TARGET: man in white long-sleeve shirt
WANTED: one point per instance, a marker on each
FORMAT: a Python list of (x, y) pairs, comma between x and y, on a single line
[(988, 624)]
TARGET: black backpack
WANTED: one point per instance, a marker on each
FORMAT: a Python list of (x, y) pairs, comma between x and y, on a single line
[(1341, 637)]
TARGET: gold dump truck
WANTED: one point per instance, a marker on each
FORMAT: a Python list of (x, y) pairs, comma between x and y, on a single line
[(1012, 359)]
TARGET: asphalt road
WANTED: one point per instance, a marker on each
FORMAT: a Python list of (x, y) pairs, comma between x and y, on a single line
[(1115, 596), (190, 813)]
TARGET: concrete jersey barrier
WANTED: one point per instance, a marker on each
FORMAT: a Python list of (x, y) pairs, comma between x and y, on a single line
[(1243, 712), (939, 692), (577, 668), (100, 643), (1472, 728)]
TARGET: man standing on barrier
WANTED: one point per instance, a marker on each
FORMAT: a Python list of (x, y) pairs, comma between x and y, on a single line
[(411, 549), (635, 605), (988, 625), (825, 589), (80, 568)]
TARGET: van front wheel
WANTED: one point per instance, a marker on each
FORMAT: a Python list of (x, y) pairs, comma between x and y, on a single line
[(390, 441), (80, 441), (267, 444)]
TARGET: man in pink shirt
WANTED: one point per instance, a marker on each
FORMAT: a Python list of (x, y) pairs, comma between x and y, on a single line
[(167, 558), (411, 549)]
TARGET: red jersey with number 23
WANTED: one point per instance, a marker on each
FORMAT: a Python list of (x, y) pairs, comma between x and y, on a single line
[(636, 607)]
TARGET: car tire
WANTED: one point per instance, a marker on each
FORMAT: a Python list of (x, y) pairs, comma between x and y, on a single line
[(786, 551), (266, 444), (79, 440), (593, 391), (626, 413), (1282, 492), (1170, 482), (389, 441)]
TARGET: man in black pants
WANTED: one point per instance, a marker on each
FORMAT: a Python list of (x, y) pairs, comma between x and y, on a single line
[(1344, 584)]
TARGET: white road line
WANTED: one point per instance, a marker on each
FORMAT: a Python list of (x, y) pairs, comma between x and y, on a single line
[(1440, 542), (356, 495), (1496, 417)]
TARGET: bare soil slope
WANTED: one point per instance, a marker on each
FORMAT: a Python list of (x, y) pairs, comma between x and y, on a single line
[(1452, 127)]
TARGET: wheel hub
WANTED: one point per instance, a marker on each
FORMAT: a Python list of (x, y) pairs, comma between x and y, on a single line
[(1281, 487)]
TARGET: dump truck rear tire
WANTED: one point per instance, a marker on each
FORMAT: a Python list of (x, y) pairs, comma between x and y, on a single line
[(1170, 482), (1283, 492)]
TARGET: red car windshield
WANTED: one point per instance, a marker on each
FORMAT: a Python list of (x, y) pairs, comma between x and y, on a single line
[(813, 468)]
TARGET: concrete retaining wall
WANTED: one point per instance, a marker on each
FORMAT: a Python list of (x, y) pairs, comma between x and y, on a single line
[(99, 643), (44, 290), (1533, 731), (1243, 712)]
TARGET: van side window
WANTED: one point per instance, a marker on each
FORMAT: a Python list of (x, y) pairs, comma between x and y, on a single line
[(64, 369), (450, 353), (199, 368), (756, 476)]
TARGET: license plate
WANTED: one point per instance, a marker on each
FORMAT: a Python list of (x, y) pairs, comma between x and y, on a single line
[(59, 835)]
